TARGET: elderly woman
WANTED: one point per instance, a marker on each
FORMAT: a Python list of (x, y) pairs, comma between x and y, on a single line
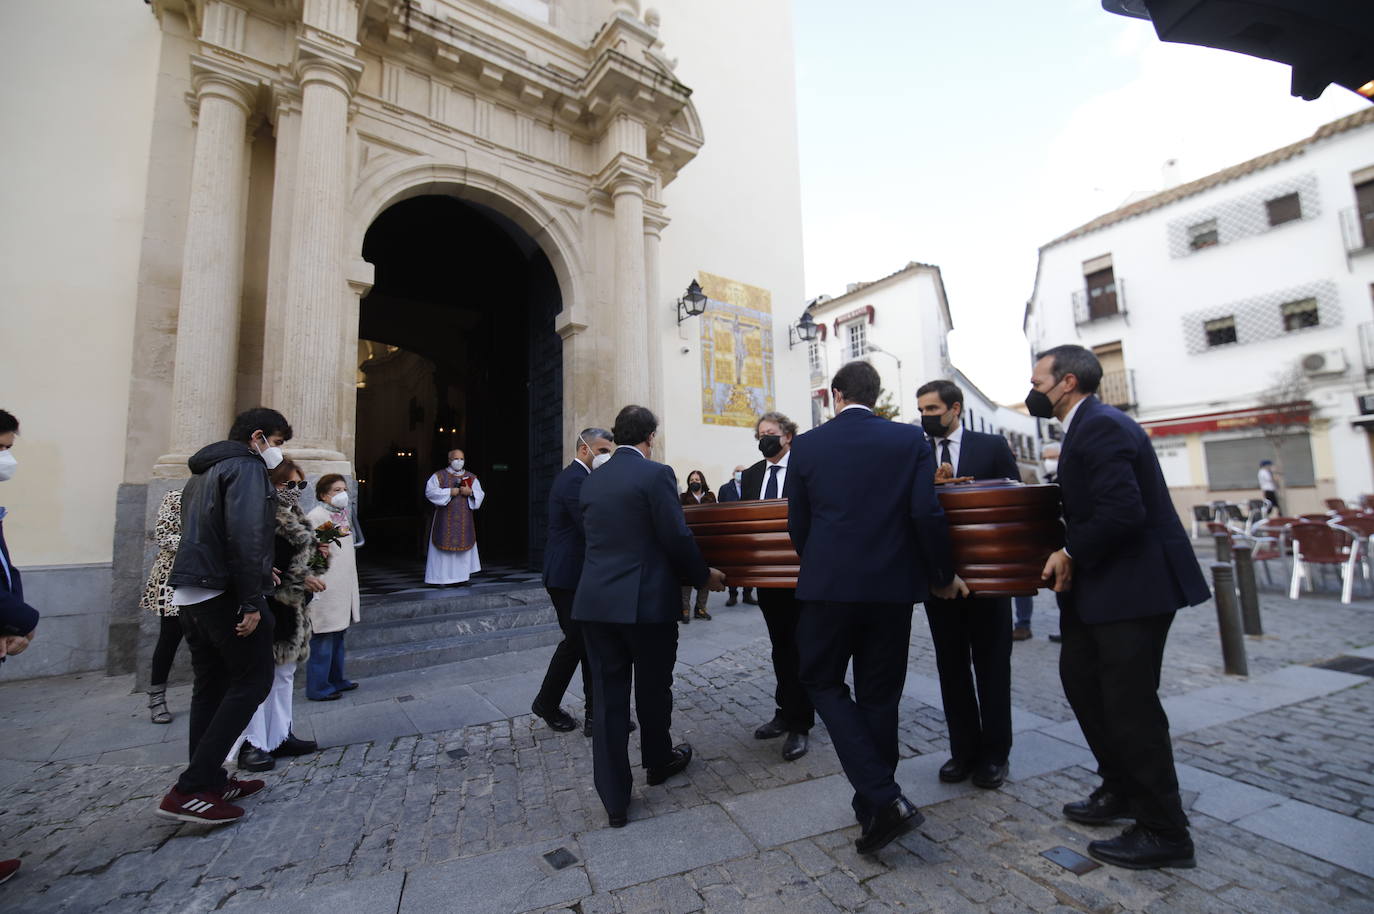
[(157, 598), (698, 493), (269, 732), (334, 610)]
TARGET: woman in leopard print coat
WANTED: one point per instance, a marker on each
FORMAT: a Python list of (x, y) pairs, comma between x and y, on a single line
[(157, 598)]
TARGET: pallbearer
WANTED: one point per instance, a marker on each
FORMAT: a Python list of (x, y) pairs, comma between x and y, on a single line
[(455, 493)]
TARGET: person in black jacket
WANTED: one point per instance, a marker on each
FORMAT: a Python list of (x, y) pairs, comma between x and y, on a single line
[(221, 576), (563, 555), (977, 700), (1127, 566)]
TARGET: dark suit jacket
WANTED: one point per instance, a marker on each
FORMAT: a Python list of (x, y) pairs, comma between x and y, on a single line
[(728, 492), (1131, 557), (639, 550), (863, 514), (754, 478), (985, 456), (566, 545), (16, 616)]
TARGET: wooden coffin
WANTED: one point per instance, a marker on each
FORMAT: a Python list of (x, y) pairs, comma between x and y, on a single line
[(1001, 532)]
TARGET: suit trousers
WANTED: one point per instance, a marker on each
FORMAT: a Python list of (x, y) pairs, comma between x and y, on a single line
[(877, 637), (1110, 673), (972, 639), (619, 654), (570, 653), (232, 676), (780, 613)]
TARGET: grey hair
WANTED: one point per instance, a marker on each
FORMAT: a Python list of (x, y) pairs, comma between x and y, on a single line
[(595, 431)]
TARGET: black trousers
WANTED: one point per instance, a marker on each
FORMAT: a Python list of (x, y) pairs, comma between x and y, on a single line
[(618, 655), (570, 653), (780, 613), (1110, 673), (973, 654), (169, 636), (232, 677), (877, 637)]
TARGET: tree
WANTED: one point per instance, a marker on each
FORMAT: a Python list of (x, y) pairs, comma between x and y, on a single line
[(1284, 409), (886, 407)]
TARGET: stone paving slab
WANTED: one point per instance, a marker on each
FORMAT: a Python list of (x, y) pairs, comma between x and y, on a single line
[(1221, 797), (1035, 753), (649, 849), (515, 879), (450, 709), (373, 895), (919, 778), (1324, 834), (786, 814)]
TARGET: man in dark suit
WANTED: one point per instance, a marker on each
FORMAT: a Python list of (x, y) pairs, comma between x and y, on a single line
[(639, 554), (864, 518), (978, 700), (563, 555), (730, 491), (1127, 566), (793, 713)]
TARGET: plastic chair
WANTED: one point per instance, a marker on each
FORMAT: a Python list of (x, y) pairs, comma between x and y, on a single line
[(1277, 528), (1201, 515), (1327, 545), (1336, 504), (1362, 527)]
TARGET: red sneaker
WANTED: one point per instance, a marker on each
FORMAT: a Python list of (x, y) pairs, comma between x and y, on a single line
[(237, 790), (205, 808), (7, 869)]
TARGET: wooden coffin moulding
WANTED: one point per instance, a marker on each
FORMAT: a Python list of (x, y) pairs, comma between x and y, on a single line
[(1001, 531)]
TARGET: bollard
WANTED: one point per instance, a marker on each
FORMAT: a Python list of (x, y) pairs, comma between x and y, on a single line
[(1223, 546), (1249, 593), (1228, 619)]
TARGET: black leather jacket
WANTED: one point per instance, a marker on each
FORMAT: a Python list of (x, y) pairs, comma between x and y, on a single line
[(228, 519)]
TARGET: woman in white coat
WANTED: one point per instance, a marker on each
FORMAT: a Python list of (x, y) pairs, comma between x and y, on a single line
[(332, 611)]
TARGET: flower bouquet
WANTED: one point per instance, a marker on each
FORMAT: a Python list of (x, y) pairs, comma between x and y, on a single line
[(326, 535)]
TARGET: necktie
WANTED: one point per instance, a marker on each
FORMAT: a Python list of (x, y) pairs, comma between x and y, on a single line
[(944, 453), (771, 489)]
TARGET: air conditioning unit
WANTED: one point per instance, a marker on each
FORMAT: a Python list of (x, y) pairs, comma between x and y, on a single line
[(1328, 361)]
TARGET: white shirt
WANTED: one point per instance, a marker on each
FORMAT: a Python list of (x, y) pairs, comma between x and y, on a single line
[(955, 439), (768, 471), (1068, 417), (1266, 479)]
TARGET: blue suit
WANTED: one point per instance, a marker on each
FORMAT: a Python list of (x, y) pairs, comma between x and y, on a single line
[(872, 538), (16, 616), (639, 555), (1133, 567), (728, 492), (563, 554)]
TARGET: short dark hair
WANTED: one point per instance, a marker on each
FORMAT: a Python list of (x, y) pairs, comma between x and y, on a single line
[(1077, 361), (8, 423), (858, 382), (634, 425), (591, 433), (259, 417), (325, 483), (949, 392)]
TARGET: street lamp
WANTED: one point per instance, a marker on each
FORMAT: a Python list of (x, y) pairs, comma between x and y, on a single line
[(691, 304), (803, 331), (901, 389)]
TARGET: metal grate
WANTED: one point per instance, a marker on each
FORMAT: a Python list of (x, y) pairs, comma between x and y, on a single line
[(1360, 666), (1242, 217), (1262, 317)]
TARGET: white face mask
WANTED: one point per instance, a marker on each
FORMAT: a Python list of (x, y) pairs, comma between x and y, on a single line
[(340, 500), (739, 478), (272, 456), (1051, 465), (456, 465), (8, 464), (600, 460)]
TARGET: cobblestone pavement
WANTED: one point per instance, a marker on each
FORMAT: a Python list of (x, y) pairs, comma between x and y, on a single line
[(456, 820)]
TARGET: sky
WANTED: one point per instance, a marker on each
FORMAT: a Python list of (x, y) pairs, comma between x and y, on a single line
[(968, 134)]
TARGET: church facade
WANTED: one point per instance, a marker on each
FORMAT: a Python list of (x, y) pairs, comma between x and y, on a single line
[(409, 225)]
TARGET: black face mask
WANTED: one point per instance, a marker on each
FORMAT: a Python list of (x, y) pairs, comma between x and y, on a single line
[(770, 445), (694, 486), (934, 426), (1040, 405)]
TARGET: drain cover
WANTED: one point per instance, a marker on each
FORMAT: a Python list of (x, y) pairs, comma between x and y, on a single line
[(1360, 666), (405, 697), (560, 858), (457, 754), (1070, 860)]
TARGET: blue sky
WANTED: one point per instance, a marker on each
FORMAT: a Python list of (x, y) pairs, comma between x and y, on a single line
[(967, 134)]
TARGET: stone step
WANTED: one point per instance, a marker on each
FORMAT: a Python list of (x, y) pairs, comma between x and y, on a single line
[(415, 655), (446, 625), (447, 602)]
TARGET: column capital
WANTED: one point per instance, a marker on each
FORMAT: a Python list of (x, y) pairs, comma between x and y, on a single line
[(318, 63), (360, 276), (624, 174), (212, 79)]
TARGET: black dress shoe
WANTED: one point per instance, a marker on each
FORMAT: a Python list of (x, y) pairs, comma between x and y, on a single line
[(703, 614), (293, 745), (332, 696), (892, 821), (557, 718), (1141, 848), (348, 687), (682, 755), (989, 775), (771, 730), (1102, 807), (731, 600), (795, 747), (1055, 639), (749, 598), (617, 821), (251, 758), (686, 618), (955, 770)]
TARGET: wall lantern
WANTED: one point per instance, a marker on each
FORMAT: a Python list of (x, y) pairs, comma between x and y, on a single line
[(804, 331), (691, 304)]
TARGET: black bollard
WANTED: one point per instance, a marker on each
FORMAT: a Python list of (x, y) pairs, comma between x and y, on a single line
[(1228, 619), (1249, 593), (1223, 546)]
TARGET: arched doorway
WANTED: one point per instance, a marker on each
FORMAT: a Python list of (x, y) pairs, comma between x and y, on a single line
[(457, 348)]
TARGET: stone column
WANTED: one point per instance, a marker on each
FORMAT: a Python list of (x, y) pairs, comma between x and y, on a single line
[(360, 275), (286, 126), (630, 315), (308, 392), (212, 266), (657, 312)]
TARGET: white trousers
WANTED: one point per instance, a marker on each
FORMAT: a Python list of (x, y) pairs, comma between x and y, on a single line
[(272, 720)]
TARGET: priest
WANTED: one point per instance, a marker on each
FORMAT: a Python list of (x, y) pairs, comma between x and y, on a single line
[(455, 494)]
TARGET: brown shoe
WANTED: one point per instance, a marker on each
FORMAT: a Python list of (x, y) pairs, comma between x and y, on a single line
[(1020, 634)]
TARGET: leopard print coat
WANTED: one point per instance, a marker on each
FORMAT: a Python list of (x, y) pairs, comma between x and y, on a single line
[(157, 596)]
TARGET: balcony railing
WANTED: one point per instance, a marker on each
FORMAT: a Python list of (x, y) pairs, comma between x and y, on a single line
[(1086, 309), (1357, 231), (1117, 389)]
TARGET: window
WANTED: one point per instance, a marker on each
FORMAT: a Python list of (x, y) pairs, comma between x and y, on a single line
[(1203, 235), (1220, 331), (1284, 209), (1299, 315), (858, 338), (1234, 464), (1101, 293), (813, 356), (1364, 210)]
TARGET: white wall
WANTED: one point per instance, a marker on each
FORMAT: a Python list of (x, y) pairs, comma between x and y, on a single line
[(77, 97)]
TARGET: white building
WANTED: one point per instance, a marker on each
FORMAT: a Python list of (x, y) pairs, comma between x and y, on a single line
[(1200, 299)]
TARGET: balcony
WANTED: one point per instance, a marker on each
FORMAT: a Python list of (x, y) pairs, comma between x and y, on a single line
[(1106, 305), (1118, 389), (1367, 346), (1357, 231)]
